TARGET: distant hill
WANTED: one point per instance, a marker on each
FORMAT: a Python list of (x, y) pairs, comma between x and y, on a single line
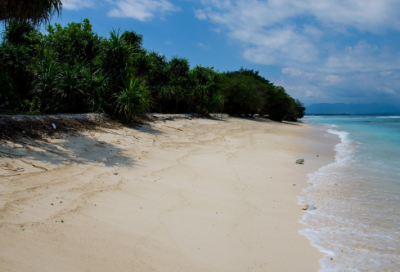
[(341, 108)]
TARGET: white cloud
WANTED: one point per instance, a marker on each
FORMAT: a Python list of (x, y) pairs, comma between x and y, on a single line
[(333, 79), (142, 10), (310, 94), (296, 72), (365, 87), (386, 91), (77, 4), (280, 45), (292, 71), (365, 15), (362, 57), (386, 73), (268, 31), (217, 29), (312, 32), (200, 14)]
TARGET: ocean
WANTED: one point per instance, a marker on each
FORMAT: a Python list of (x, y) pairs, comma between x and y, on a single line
[(354, 202)]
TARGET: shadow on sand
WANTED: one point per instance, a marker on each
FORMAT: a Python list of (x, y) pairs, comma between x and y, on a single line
[(75, 148)]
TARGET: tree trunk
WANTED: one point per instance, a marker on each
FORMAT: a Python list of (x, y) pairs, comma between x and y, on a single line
[(191, 104), (160, 106)]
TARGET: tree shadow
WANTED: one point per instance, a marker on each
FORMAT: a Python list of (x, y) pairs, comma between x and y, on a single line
[(266, 120), (57, 139), (290, 123), (255, 119), (72, 148), (218, 119), (149, 129)]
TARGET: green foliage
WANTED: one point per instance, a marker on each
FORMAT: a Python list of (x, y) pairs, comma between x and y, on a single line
[(156, 78), (204, 90), (248, 72), (97, 87), (133, 99), (13, 62), (279, 104), (176, 88), (117, 57), (134, 39), (215, 102), (7, 90), (72, 69), (75, 42), (297, 111), (15, 32), (244, 94), (141, 63), (47, 76), (33, 11)]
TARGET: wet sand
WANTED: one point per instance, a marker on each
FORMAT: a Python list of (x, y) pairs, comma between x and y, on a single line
[(181, 195)]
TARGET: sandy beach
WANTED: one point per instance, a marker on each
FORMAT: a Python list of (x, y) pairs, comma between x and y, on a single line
[(174, 195)]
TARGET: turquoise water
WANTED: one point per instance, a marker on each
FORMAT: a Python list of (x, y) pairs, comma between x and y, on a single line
[(355, 215)]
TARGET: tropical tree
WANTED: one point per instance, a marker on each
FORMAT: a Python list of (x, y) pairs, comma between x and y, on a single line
[(47, 76), (72, 69), (244, 94), (248, 72), (15, 32), (279, 103), (14, 61), (97, 85), (116, 58), (215, 102), (295, 109), (75, 42), (300, 109), (71, 90), (204, 91), (134, 98), (156, 78), (176, 89), (140, 63), (36, 11), (132, 38), (8, 96)]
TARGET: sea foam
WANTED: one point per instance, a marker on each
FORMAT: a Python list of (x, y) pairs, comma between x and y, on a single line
[(356, 219)]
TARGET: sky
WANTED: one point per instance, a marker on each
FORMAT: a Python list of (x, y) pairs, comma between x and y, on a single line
[(320, 51)]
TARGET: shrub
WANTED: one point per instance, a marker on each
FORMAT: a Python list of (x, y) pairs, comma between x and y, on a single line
[(134, 98)]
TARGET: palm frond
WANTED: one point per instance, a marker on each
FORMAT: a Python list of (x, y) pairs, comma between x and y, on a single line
[(36, 11)]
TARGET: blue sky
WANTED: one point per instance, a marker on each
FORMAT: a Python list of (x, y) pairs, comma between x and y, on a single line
[(319, 50)]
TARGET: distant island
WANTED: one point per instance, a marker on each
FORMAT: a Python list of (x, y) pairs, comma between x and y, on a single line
[(341, 108)]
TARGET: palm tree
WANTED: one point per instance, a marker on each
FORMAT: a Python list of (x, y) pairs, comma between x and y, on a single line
[(71, 88), (36, 11), (133, 38), (116, 57), (134, 98), (47, 76), (178, 72)]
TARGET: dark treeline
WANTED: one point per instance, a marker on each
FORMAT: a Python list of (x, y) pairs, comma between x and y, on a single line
[(73, 70)]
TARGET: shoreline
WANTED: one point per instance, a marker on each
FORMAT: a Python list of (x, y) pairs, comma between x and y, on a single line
[(194, 195), (327, 254), (356, 218)]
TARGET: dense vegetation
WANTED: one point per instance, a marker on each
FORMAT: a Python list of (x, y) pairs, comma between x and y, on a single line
[(73, 70), (36, 11)]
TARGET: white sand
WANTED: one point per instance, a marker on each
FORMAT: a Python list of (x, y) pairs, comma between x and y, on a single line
[(184, 195)]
